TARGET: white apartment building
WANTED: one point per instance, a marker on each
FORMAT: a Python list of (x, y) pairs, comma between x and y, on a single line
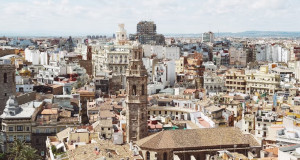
[(24, 84), (161, 52), (36, 57), (209, 66), (82, 49), (262, 81), (263, 121), (57, 56), (213, 83), (56, 70), (260, 52), (286, 74), (277, 53), (164, 72), (238, 56), (247, 123), (113, 57)]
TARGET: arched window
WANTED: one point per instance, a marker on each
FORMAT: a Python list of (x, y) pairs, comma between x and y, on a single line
[(143, 90), (165, 156), (148, 155), (134, 90), (5, 78)]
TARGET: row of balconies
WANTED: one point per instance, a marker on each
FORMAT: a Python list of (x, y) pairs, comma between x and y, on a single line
[(262, 81), (116, 62), (265, 120), (263, 87), (236, 83)]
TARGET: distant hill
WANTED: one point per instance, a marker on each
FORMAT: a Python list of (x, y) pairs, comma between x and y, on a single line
[(252, 34)]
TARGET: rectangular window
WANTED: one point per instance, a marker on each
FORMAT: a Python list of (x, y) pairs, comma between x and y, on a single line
[(11, 138), (27, 128), (28, 138), (47, 130), (37, 131), (166, 112), (159, 112), (19, 128), (20, 137), (11, 128), (153, 112)]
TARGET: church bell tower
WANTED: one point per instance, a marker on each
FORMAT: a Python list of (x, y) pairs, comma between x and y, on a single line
[(136, 100)]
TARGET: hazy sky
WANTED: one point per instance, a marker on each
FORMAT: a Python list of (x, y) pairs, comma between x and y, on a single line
[(81, 17)]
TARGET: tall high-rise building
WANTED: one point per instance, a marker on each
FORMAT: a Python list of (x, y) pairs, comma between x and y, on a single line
[(208, 37), (136, 100), (7, 82), (146, 34), (146, 27)]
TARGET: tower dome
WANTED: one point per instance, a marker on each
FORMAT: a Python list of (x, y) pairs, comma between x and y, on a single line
[(12, 106), (12, 102)]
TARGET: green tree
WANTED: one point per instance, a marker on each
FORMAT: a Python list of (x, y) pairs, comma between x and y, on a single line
[(17, 148), (20, 151), (3, 156), (29, 153), (53, 148)]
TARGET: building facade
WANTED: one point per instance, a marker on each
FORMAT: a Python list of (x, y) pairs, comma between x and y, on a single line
[(262, 82), (238, 56), (213, 83), (146, 34), (16, 122), (208, 37), (136, 100), (235, 81), (7, 83)]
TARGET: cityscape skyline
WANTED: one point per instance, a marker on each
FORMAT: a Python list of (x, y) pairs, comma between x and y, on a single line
[(53, 18), (149, 80)]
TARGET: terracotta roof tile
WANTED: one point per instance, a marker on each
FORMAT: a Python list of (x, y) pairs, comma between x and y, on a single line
[(194, 138)]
